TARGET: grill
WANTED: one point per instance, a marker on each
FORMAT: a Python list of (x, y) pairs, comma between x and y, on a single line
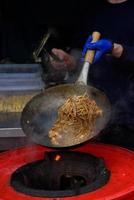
[(61, 174), (21, 169)]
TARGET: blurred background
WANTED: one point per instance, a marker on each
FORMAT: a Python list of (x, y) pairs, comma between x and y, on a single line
[(23, 23)]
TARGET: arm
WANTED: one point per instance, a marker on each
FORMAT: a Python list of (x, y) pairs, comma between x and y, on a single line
[(104, 46), (65, 60), (125, 53), (117, 50)]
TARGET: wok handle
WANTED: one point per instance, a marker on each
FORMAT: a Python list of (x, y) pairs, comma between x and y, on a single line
[(82, 79), (90, 53)]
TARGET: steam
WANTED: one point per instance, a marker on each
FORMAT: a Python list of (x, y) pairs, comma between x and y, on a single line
[(53, 32), (122, 110)]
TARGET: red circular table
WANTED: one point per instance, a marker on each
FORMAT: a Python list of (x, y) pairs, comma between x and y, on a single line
[(118, 160)]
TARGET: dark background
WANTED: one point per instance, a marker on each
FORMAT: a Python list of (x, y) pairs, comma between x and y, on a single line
[(24, 22)]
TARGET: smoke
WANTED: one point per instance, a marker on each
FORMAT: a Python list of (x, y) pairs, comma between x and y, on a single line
[(122, 110), (53, 32)]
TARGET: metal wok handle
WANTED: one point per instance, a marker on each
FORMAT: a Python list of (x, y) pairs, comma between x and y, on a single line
[(88, 60)]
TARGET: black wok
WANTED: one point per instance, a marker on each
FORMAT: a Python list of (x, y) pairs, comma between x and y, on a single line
[(40, 113)]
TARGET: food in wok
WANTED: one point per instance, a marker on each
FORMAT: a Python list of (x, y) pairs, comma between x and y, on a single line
[(76, 121)]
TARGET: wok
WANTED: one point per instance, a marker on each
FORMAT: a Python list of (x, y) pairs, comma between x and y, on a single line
[(40, 113)]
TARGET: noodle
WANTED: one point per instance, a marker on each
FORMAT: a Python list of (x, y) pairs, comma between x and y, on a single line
[(76, 121)]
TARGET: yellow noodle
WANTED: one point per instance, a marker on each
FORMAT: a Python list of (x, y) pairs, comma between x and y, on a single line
[(77, 117)]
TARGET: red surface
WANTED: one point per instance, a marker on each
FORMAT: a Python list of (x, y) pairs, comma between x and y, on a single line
[(119, 161)]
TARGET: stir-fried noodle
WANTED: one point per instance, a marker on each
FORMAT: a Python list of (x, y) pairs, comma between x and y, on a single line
[(76, 120)]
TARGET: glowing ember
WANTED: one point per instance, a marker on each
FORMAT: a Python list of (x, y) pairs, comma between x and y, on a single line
[(57, 157)]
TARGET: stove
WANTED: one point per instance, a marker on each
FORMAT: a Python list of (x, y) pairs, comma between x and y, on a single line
[(61, 174), (36, 172)]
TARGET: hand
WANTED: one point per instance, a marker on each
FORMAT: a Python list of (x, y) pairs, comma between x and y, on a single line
[(65, 60), (101, 47)]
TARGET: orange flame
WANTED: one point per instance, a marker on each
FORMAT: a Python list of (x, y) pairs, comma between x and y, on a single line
[(57, 157)]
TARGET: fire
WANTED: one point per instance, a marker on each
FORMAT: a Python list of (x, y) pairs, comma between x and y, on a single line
[(57, 157)]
